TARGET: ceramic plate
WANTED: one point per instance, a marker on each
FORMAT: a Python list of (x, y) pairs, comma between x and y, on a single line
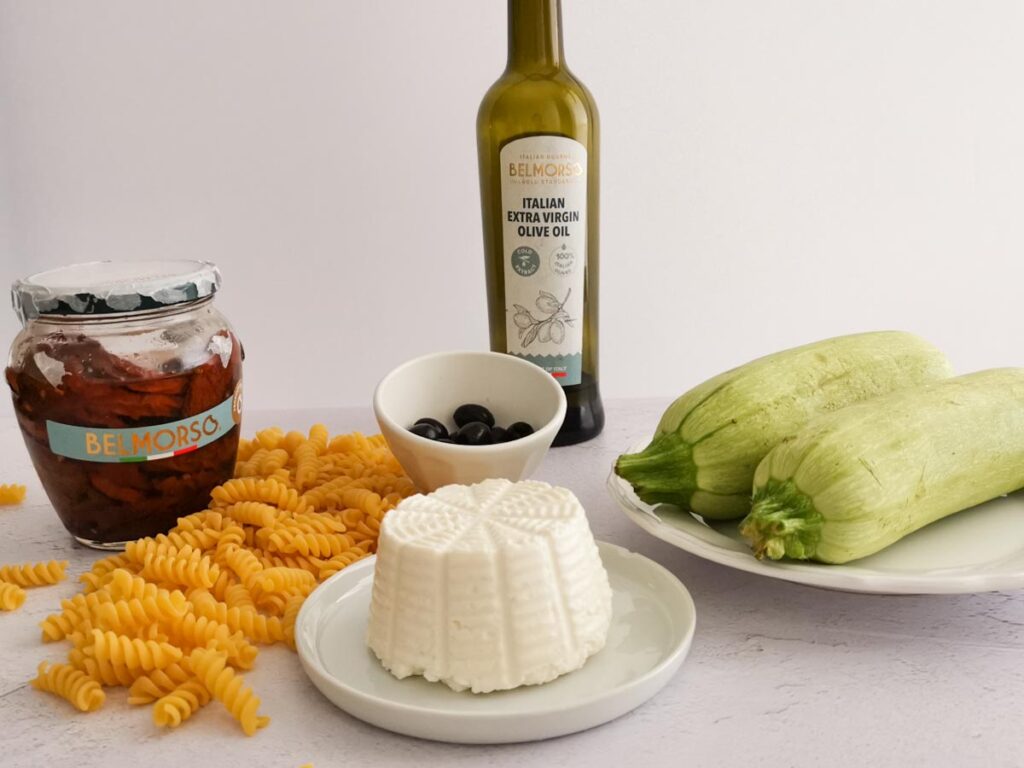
[(977, 550), (652, 627)]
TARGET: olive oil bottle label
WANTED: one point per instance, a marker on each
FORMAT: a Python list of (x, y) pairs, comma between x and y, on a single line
[(544, 237)]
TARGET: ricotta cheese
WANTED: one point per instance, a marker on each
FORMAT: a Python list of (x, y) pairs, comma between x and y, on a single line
[(488, 587)]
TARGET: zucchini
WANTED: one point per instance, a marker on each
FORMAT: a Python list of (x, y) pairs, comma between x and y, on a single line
[(709, 442), (853, 482)]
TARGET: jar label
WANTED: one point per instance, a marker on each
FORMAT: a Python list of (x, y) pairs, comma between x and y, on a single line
[(544, 240), (160, 441)]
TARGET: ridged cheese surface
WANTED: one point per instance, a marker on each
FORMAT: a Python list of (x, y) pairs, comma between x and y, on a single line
[(488, 587)]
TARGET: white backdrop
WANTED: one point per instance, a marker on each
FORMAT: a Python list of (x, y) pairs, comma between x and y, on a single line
[(773, 172)]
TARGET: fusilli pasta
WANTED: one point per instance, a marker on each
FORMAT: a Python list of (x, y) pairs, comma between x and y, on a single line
[(174, 617), (179, 705), (133, 654), (34, 574), (146, 689), (71, 684), (188, 567), (12, 597), (228, 688), (11, 493)]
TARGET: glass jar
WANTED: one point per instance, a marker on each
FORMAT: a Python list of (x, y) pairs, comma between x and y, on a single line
[(127, 388)]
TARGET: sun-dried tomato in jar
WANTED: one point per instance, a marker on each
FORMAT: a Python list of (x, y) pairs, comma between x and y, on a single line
[(127, 388)]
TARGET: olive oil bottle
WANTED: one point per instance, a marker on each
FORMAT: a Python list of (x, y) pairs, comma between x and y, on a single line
[(537, 135)]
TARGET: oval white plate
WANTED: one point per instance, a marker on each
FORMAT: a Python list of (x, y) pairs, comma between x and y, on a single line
[(977, 550), (652, 627)]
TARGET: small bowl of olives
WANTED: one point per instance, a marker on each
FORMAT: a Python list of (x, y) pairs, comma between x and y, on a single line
[(463, 417), (474, 424)]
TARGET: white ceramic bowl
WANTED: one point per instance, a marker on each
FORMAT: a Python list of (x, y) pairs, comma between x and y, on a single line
[(435, 385)]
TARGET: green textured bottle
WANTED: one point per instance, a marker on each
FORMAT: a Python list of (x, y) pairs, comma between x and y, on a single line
[(537, 134)]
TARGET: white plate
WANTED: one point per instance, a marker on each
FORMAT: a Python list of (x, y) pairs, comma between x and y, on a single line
[(977, 550), (652, 627)]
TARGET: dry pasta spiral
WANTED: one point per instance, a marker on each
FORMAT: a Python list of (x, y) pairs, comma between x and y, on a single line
[(34, 574), (316, 523), (200, 538), (224, 582), (191, 631), (362, 499), (288, 541), (208, 519), (263, 462), (73, 613), (244, 564), (111, 562), (133, 654), (103, 673), (290, 441), (158, 683), (232, 536), (317, 497), (257, 627), (228, 688), (269, 438), (92, 582), (190, 568), (11, 493), (253, 513), (57, 626), (70, 684), (126, 586), (238, 596), (138, 551), (318, 436), (288, 617), (268, 491), (125, 616), (307, 465), (102, 570), (274, 603), (179, 705), (278, 560), (280, 579), (338, 562), (250, 467), (12, 597)]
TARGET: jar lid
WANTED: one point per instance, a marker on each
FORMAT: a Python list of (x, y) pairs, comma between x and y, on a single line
[(113, 287)]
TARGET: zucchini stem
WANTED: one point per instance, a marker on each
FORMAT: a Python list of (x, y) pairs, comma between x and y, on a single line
[(782, 522), (663, 472)]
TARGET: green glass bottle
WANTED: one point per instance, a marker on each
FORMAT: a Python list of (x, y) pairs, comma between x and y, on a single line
[(537, 134)]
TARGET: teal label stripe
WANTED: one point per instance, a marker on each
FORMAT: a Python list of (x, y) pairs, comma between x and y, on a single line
[(162, 441), (567, 369)]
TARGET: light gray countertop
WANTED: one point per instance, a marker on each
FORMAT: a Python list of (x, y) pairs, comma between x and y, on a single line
[(779, 674)]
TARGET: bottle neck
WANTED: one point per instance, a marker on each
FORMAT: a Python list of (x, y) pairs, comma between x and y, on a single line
[(535, 35)]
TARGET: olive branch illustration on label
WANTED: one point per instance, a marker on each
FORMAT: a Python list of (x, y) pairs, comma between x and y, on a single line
[(550, 327)]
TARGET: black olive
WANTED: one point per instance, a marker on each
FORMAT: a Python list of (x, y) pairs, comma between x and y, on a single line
[(445, 440), (442, 430), (474, 433), (470, 412), (425, 430), (518, 430), (499, 434)]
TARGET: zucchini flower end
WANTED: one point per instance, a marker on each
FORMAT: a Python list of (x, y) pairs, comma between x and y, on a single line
[(782, 523)]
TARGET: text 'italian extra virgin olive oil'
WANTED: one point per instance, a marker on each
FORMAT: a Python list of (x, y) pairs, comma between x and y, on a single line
[(537, 132)]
